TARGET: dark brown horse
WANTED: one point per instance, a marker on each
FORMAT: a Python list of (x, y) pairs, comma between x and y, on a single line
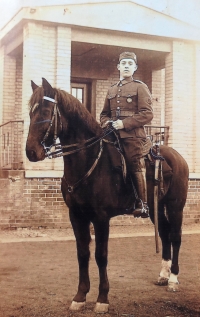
[(95, 191)]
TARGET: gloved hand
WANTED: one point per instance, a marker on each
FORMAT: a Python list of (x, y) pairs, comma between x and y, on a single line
[(118, 124), (104, 125)]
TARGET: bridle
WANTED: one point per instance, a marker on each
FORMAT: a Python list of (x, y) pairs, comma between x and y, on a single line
[(56, 114), (59, 148)]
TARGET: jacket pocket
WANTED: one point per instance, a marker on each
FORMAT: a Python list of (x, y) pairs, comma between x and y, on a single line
[(129, 93), (140, 133), (129, 97)]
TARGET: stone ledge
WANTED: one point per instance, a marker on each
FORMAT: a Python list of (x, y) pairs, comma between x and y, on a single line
[(12, 173), (194, 176), (43, 174)]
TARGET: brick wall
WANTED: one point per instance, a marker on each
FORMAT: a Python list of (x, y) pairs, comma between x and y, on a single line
[(32, 203), (38, 202), (192, 208)]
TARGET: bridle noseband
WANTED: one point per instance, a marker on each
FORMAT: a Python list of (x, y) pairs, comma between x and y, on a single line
[(56, 113)]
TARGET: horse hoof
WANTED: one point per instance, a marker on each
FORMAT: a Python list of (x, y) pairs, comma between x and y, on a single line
[(101, 308), (162, 281), (77, 306), (173, 287)]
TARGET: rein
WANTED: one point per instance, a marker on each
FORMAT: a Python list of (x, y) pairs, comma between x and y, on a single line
[(59, 149), (71, 188)]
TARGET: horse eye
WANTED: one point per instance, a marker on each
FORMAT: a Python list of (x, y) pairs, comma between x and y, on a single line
[(45, 112)]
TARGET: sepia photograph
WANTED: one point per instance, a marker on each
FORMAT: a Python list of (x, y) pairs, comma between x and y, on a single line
[(99, 158)]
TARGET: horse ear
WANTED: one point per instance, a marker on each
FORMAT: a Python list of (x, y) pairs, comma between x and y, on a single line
[(33, 85), (46, 85)]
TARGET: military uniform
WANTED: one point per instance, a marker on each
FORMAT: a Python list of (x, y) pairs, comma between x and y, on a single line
[(130, 101)]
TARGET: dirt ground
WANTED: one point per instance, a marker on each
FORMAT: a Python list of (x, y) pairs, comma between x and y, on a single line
[(39, 274)]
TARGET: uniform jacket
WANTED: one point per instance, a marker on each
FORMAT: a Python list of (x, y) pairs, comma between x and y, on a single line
[(130, 101)]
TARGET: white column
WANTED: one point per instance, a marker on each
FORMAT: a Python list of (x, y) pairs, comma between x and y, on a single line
[(38, 61), (179, 105), (197, 111), (63, 58), (63, 69), (2, 57)]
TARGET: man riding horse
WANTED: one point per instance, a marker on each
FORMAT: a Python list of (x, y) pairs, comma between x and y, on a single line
[(128, 105)]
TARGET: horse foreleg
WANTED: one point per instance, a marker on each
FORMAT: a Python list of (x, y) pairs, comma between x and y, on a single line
[(101, 256), (82, 233)]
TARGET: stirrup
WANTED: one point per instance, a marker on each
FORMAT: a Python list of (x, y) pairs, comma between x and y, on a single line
[(141, 211)]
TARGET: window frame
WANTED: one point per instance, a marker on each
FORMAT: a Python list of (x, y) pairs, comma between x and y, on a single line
[(82, 86)]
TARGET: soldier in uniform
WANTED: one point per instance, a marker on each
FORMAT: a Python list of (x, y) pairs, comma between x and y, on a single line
[(128, 106)]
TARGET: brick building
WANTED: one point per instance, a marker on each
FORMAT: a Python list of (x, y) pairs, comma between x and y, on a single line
[(76, 48)]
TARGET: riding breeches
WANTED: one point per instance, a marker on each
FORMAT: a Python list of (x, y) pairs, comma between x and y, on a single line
[(133, 152)]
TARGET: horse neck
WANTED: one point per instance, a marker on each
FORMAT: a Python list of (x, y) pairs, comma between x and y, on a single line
[(77, 164), (78, 132)]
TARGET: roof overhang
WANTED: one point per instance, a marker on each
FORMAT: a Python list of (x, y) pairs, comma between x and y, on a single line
[(108, 16)]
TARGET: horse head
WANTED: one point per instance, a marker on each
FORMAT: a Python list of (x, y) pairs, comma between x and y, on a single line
[(45, 121)]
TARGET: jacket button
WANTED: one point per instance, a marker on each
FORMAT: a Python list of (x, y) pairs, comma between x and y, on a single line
[(118, 95), (118, 101)]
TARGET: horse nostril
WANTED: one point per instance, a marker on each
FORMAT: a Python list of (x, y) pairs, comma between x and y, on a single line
[(32, 153), (32, 156)]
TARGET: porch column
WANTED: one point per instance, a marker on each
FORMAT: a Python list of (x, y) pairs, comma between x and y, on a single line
[(179, 99), (7, 86), (63, 58), (33, 69), (47, 53), (62, 70), (158, 93), (2, 53), (197, 110)]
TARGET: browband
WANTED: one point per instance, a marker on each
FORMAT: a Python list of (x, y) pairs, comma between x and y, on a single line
[(50, 99)]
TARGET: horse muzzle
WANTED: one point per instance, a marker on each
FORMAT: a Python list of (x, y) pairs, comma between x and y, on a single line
[(35, 156)]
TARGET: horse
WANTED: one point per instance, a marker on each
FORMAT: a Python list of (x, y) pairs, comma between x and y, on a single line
[(95, 191)]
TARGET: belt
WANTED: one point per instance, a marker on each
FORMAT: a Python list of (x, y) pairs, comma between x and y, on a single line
[(123, 113)]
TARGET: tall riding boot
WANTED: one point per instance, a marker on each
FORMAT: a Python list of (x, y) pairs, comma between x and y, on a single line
[(141, 207)]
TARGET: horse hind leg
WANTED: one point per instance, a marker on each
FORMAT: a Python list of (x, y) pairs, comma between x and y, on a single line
[(81, 227), (165, 272), (175, 215), (164, 233), (101, 256)]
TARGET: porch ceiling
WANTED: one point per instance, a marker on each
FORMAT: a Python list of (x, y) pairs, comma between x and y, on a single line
[(104, 54)]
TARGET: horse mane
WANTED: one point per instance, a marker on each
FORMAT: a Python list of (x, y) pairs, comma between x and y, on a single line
[(71, 105)]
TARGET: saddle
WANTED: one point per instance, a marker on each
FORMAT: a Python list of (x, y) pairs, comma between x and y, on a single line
[(118, 163)]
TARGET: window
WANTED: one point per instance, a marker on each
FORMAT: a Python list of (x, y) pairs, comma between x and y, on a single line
[(85, 91), (79, 91)]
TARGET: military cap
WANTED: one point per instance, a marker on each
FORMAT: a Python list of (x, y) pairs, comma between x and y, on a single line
[(130, 55)]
